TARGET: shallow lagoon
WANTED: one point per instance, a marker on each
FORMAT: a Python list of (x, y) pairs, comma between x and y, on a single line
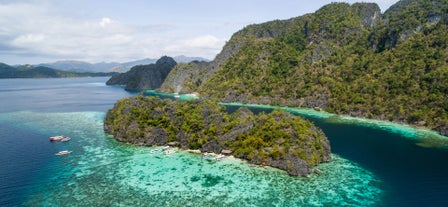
[(373, 165), (101, 171)]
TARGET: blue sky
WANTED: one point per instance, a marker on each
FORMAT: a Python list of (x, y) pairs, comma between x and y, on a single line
[(35, 31)]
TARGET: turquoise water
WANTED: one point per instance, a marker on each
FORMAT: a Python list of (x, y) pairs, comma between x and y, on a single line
[(374, 164), (101, 171), (426, 138)]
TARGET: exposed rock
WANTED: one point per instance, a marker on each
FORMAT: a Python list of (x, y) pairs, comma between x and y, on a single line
[(443, 130), (185, 77), (144, 77), (173, 144), (278, 139), (370, 13), (226, 152), (212, 146), (345, 59)]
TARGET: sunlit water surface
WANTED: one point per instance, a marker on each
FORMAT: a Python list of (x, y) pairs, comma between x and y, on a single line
[(372, 166)]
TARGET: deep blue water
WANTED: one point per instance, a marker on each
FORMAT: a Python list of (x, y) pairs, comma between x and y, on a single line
[(412, 175), (25, 154), (31, 110)]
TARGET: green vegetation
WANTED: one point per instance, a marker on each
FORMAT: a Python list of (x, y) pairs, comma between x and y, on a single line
[(278, 139), (346, 59), (144, 77), (29, 71)]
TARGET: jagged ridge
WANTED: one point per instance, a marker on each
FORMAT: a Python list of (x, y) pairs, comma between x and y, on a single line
[(346, 59)]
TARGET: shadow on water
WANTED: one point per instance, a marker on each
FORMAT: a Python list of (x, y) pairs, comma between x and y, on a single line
[(413, 175)]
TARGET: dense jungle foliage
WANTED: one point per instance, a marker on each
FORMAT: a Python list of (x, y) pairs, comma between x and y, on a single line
[(346, 59), (277, 137)]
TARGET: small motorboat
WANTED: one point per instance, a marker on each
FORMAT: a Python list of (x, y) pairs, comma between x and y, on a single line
[(58, 138), (169, 152), (155, 150), (206, 155), (63, 152), (220, 157), (66, 139)]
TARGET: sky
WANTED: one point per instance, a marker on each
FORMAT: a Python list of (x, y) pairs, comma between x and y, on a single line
[(41, 31)]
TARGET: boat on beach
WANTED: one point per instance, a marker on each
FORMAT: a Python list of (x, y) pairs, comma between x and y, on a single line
[(155, 150), (220, 157), (63, 152), (207, 155), (169, 151)]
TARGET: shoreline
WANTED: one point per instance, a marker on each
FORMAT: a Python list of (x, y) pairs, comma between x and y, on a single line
[(433, 138), (407, 130), (430, 138)]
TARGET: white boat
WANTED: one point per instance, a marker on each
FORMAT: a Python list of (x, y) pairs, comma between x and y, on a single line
[(63, 152), (206, 155), (58, 138), (220, 157), (169, 151), (155, 150), (66, 139)]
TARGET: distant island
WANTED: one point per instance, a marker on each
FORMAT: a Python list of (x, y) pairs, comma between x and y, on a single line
[(28, 71), (277, 139), (106, 67), (144, 77)]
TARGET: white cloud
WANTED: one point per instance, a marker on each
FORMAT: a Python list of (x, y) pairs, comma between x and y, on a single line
[(34, 30), (29, 38), (207, 41), (105, 21), (206, 46), (59, 30)]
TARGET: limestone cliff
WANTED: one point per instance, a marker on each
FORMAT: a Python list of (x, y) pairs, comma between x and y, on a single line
[(144, 77), (346, 59)]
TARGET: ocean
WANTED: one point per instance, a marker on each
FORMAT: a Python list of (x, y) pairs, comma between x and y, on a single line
[(374, 163)]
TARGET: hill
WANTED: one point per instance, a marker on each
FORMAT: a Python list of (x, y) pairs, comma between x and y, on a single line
[(144, 77), (278, 139), (81, 66), (346, 59), (29, 71)]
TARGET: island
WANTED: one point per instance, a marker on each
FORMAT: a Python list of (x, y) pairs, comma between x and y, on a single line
[(277, 139), (30, 71), (144, 77)]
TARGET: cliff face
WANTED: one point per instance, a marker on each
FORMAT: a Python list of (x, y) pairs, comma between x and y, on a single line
[(346, 59), (185, 77), (278, 139), (144, 77)]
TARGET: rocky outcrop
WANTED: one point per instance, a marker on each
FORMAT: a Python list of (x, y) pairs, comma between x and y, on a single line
[(278, 139), (443, 130), (144, 77), (405, 19), (346, 59), (185, 77)]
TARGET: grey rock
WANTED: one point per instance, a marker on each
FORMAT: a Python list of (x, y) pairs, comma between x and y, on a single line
[(144, 77)]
